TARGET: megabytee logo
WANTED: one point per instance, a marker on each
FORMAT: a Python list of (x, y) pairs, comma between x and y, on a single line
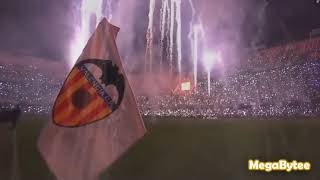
[(281, 165)]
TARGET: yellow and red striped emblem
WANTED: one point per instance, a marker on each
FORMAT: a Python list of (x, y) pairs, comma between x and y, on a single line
[(78, 102)]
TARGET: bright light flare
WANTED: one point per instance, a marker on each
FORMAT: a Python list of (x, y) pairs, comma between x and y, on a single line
[(90, 10), (211, 58), (186, 86)]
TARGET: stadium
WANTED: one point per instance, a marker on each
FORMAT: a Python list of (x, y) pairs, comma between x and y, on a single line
[(209, 104), (280, 81)]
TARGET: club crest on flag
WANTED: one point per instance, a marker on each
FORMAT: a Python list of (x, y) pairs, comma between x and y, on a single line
[(83, 98), (95, 117)]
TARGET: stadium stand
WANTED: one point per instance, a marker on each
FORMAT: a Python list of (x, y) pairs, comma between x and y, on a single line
[(280, 81)]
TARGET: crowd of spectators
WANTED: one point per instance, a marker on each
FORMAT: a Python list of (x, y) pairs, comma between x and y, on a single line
[(280, 56), (293, 90), (281, 81), (27, 86)]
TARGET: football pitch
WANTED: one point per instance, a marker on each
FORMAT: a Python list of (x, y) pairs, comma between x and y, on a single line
[(181, 148)]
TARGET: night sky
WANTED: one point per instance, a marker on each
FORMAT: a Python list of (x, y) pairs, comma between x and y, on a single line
[(42, 28), (290, 20)]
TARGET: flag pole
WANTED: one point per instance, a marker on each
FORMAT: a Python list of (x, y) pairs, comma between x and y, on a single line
[(15, 163)]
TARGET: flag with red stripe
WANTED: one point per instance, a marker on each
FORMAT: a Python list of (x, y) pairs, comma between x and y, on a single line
[(79, 102), (95, 116)]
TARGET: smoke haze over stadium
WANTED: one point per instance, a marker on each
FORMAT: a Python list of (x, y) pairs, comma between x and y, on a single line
[(217, 85), (46, 28)]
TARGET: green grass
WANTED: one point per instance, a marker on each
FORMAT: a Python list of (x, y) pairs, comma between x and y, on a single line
[(186, 149)]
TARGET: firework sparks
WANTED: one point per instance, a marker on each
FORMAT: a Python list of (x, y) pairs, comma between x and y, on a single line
[(91, 12), (164, 14), (196, 35), (210, 58), (149, 36), (178, 35)]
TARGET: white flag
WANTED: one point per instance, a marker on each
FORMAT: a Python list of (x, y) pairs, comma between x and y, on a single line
[(95, 117)]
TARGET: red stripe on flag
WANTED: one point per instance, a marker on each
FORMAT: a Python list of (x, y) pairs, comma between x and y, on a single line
[(67, 101), (70, 82), (88, 118), (71, 116)]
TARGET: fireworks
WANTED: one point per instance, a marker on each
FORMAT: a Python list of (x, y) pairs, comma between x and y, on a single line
[(91, 12), (196, 35), (149, 36), (178, 34), (209, 59), (171, 36), (170, 29)]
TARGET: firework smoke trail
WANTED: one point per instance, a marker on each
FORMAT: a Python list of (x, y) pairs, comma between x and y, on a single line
[(88, 9), (168, 18), (209, 81), (193, 10), (109, 10), (170, 15), (193, 42), (172, 12), (163, 12), (196, 34), (149, 36), (211, 58), (178, 35)]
